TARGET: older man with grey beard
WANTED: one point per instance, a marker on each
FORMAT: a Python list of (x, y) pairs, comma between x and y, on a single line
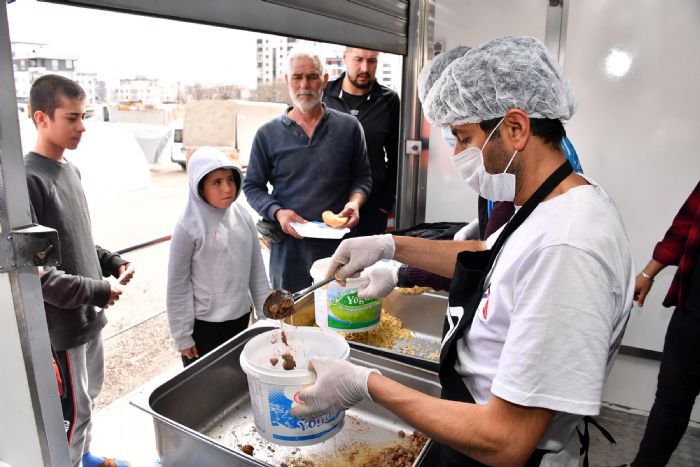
[(315, 159)]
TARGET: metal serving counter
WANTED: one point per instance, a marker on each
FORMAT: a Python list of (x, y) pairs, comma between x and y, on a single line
[(203, 415)]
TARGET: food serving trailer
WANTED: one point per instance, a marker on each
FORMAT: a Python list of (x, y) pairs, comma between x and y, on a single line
[(634, 69)]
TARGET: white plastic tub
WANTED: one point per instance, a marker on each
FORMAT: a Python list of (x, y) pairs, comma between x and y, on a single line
[(272, 388), (339, 308)]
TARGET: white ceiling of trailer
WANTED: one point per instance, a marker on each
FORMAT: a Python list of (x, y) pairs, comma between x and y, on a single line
[(373, 24)]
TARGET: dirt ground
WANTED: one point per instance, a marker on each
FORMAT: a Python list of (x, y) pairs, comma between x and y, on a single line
[(136, 356), (136, 338)]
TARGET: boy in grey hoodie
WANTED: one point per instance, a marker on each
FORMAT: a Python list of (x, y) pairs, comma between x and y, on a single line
[(215, 270)]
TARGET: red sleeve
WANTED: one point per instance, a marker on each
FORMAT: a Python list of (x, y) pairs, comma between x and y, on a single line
[(670, 250)]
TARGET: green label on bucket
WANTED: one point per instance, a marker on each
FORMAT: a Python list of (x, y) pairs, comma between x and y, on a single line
[(348, 311)]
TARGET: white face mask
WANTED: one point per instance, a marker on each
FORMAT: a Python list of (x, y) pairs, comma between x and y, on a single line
[(495, 187), (499, 187), (470, 166)]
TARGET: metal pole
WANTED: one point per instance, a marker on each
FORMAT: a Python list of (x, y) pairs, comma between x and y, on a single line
[(32, 430), (413, 150), (555, 28)]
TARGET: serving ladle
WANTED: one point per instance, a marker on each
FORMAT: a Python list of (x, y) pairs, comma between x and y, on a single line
[(280, 303)]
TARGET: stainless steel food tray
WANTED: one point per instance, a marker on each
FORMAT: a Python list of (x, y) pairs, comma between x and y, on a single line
[(203, 414), (422, 315)]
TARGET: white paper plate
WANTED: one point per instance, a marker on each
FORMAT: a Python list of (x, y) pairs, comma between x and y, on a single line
[(313, 229)]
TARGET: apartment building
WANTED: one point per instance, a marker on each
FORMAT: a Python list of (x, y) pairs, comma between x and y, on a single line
[(30, 60)]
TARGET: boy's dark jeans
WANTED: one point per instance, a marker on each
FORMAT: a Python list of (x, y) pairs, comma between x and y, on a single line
[(678, 386)]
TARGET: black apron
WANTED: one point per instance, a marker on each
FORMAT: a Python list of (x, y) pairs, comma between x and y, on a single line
[(466, 291)]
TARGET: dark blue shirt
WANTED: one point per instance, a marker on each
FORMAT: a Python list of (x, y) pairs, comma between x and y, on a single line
[(308, 175)]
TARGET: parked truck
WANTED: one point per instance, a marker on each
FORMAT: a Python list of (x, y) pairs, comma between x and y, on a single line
[(228, 125)]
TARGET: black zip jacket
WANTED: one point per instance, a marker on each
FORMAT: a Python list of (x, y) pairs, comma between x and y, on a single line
[(379, 117)]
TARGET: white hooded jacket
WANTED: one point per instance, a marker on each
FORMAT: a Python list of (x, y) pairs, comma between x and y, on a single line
[(215, 268)]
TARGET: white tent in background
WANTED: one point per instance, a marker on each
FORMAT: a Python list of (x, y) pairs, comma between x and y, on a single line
[(109, 158), (152, 138), (110, 161)]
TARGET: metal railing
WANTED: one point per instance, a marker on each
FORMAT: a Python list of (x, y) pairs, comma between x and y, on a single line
[(145, 244)]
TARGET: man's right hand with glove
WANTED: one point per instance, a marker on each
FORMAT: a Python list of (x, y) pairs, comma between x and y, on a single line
[(355, 254), (339, 385)]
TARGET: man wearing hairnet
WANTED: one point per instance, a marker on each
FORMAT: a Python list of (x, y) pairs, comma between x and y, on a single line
[(384, 276), (536, 312)]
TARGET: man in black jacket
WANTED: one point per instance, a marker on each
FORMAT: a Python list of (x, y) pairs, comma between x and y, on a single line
[(358, 93)]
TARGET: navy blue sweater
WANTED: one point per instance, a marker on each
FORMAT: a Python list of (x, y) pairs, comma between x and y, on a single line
[(308, 175)]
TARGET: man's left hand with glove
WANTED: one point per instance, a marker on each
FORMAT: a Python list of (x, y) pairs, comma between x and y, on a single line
[(382, 278), (339, 385)]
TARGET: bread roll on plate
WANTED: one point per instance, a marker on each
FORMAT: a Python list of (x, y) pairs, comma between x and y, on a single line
[(333, 220)]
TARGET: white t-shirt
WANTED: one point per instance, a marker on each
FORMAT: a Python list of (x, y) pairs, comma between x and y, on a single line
[(553, 314)]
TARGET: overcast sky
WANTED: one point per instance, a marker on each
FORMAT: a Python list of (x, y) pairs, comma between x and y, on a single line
[(117, 45)]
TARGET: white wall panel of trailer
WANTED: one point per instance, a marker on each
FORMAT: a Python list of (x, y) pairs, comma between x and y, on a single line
[(637, 135)]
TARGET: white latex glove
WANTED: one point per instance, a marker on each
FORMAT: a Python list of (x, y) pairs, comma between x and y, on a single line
[(469, 231), (355, 254), (382, 278), (339, 385)]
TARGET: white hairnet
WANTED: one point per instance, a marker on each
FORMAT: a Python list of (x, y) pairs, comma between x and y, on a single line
[(501, 74), (433, 69)]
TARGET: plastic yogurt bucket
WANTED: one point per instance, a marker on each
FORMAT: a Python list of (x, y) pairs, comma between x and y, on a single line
[(339, 308), (272, 388)]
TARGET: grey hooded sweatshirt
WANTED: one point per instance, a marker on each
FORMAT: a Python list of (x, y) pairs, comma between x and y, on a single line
[(215, 268)]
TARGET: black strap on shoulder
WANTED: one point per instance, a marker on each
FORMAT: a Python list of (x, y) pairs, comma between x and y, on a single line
[(586, 439), (483, 213), (545, 189), (540, 194)]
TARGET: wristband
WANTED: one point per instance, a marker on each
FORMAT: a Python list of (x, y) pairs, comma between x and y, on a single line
[(646, 276), (402, 279)]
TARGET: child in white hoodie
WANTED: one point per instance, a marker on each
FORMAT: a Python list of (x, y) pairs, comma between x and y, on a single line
[(215, 269)]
